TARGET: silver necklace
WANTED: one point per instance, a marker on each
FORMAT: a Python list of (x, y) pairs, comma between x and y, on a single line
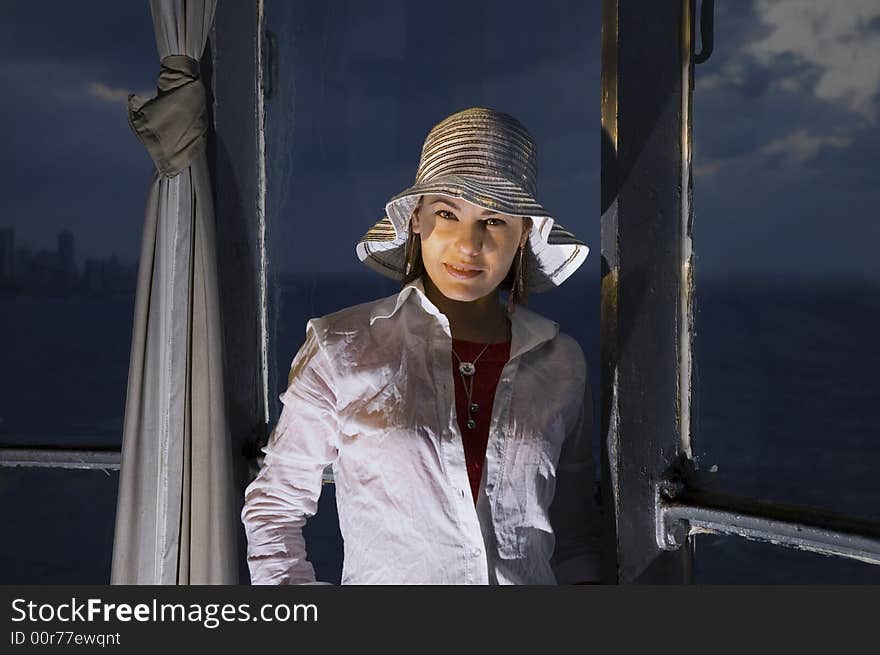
[(467, 370)]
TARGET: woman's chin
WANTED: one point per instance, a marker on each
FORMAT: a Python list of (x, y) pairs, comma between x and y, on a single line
[(463, 291)]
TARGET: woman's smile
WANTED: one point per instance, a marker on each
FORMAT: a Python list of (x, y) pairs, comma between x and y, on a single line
[(462, 272)]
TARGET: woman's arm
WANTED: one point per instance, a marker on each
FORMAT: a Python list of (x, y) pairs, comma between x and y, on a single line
[(574, 512), (286, 490)]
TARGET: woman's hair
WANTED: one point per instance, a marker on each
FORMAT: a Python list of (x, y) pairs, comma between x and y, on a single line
[(413, 261)]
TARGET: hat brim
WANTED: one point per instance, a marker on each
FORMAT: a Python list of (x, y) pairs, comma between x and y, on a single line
[(492, 193), (555, 252)]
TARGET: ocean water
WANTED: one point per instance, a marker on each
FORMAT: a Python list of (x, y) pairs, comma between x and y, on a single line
[(785, 408)]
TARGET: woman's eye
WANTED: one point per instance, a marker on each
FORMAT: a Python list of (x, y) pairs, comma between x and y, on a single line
[(495, 221), (445, 214)]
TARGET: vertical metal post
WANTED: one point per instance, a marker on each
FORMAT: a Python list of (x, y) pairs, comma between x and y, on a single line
[(235, 157), (646, 279)]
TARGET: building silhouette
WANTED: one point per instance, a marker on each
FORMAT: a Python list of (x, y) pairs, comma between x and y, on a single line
[(48, 272), (7, 257), (66, 259)]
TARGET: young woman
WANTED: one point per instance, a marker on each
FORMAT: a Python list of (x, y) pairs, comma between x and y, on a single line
[(458, 428)]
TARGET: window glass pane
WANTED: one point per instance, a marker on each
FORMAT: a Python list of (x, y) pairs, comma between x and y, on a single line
[(64, 380), (786, 186), (74, 184), (57, 525), (723, 559), (355, 88)]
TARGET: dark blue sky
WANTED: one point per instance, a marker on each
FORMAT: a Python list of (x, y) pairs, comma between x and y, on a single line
[(786, 139), (68, 157), (786, 122)]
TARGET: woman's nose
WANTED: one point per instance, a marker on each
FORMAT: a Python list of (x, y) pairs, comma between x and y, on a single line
[(470, 239)]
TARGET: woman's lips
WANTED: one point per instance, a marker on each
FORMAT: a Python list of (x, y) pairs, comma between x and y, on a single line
[(461, 274)]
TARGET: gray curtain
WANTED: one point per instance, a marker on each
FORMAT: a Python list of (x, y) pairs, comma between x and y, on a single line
[(175, 516)]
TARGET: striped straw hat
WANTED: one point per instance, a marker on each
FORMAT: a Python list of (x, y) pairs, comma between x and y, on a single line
[(489, 159)]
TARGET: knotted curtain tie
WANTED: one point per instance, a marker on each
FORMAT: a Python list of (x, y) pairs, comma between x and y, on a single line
[(173, 126)]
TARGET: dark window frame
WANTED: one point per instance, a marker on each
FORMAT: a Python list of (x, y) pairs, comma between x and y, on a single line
[(656, 498)]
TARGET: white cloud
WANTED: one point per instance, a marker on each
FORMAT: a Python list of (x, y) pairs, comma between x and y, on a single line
[(801, 145), (797, 147), (830, 37), (733, 73)]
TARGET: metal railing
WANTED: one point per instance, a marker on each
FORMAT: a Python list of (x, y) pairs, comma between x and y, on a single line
[(66, 458), (682, 511)]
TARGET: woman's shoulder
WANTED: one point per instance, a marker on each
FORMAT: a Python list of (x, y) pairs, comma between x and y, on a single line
[(570, 346), (560, 349), (349, 322), (561, 341), (569, 351)]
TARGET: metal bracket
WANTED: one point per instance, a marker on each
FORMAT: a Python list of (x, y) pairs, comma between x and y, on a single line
[(671, 534), (682, 509)]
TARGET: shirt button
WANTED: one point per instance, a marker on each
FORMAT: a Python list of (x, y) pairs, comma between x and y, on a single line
[(478, 552), (461, 491)]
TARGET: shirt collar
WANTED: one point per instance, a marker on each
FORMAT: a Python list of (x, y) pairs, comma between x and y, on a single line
[(383, 310), (528, 328)]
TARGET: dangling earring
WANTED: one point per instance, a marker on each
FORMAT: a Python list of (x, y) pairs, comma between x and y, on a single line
[(412, 251), (410, 254), (517, 290)]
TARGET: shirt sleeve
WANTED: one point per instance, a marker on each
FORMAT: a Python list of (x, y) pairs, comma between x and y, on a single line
[(575, 513), (286, 490)]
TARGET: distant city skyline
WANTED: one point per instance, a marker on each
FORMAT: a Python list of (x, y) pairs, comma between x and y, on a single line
[(47, 242), (27, 271)]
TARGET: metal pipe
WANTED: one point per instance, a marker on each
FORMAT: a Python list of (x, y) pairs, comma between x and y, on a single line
[(803, 528), (60, 458)]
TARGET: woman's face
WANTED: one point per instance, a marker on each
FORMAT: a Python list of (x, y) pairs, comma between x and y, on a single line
[(466, 250)]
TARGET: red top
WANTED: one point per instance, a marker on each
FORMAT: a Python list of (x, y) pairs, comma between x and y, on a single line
[(485, 380)]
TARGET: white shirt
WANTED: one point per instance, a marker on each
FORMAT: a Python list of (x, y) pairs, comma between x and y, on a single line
[(371, 393)]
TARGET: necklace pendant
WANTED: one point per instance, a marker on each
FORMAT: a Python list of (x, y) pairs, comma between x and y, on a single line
[(474, 408), (466, 368), (471, 424)]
